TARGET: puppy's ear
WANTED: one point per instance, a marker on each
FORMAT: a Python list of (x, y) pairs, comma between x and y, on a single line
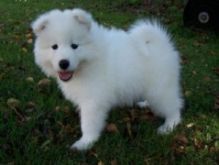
[(40, 24), (82, 17)]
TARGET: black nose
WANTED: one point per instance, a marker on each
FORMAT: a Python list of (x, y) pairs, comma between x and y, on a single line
[(64, 64)]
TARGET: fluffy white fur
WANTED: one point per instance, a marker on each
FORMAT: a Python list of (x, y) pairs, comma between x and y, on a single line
[(110, 67)]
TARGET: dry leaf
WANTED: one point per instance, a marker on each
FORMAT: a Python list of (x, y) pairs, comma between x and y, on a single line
[(194, 72), (212, 53), (45, 144), (13, 103), (112, 128), (181, 139), (197, 43), (28, 35), (129, 129), (30, 41), (198, 143), (57, 108), (29, 79), (66, 109), (126, 119), (30, 105), (68, 129), (11, 163), (188, 93), (190, 125), (179, 144), (148, 115), (100, 163), (2, 75), (44, 83), (216, 70), (180, 150), (206, 78), (114, 162), (24, 49)]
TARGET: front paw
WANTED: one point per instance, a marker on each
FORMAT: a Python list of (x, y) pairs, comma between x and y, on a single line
[(164, 130), (82, 145)]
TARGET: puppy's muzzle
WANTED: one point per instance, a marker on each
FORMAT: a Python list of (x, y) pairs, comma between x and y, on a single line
[(64, 64), (65, 74)]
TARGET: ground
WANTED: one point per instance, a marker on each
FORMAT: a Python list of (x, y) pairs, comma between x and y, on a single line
[(37, 125)]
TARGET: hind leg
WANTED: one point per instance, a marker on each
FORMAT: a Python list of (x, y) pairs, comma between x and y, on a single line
[(167, 106), (171, 121)]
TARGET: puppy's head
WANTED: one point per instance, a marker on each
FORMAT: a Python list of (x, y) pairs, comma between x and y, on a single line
[(63, 42)]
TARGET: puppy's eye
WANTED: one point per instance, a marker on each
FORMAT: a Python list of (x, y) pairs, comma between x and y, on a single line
[(55, 46), (74, 46)]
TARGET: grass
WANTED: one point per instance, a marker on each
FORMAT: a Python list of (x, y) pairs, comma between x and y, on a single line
[(39, 126)]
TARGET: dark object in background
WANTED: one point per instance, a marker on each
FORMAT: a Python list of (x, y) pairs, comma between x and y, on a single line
[(202, 13)]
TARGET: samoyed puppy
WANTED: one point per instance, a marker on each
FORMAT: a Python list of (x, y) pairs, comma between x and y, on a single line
[(98, 68)]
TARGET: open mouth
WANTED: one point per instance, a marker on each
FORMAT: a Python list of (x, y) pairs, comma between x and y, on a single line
[(65, 75)]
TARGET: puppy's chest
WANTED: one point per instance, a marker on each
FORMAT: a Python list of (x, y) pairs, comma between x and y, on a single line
[(77, 91), (72, 91)]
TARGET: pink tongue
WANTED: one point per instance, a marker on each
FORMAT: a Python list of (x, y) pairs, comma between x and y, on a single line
[(65, 76)]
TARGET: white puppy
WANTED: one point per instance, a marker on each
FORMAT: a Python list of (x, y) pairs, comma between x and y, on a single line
[(98, 68)]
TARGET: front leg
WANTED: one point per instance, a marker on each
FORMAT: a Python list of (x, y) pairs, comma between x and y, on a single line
[(92, 123)]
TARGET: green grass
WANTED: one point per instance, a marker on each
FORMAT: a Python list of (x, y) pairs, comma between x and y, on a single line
[(41, 134)]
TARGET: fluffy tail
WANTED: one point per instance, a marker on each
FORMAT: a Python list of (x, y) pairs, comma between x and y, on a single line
[(148, 34)]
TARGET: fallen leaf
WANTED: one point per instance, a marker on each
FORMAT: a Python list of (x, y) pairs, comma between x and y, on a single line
[(57, 108), (13, 103), (216, 70), (24, 49), (188, 93), (30, 79), (114, 162), (213, 149), (198, 143), (100, 163), (207, 79), (93, 153), (44, 83), (30, 41), (179, 144), (194, 72), (11, 163), (66, 109), (126, 119), (197, 43), (147, 115), (45, 144), (2, 75), (180, 150), (29, 35), (68, 129), (181, 139), (190, 125), (212, 53), (30, 106), (112, 128), (129, 129)]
